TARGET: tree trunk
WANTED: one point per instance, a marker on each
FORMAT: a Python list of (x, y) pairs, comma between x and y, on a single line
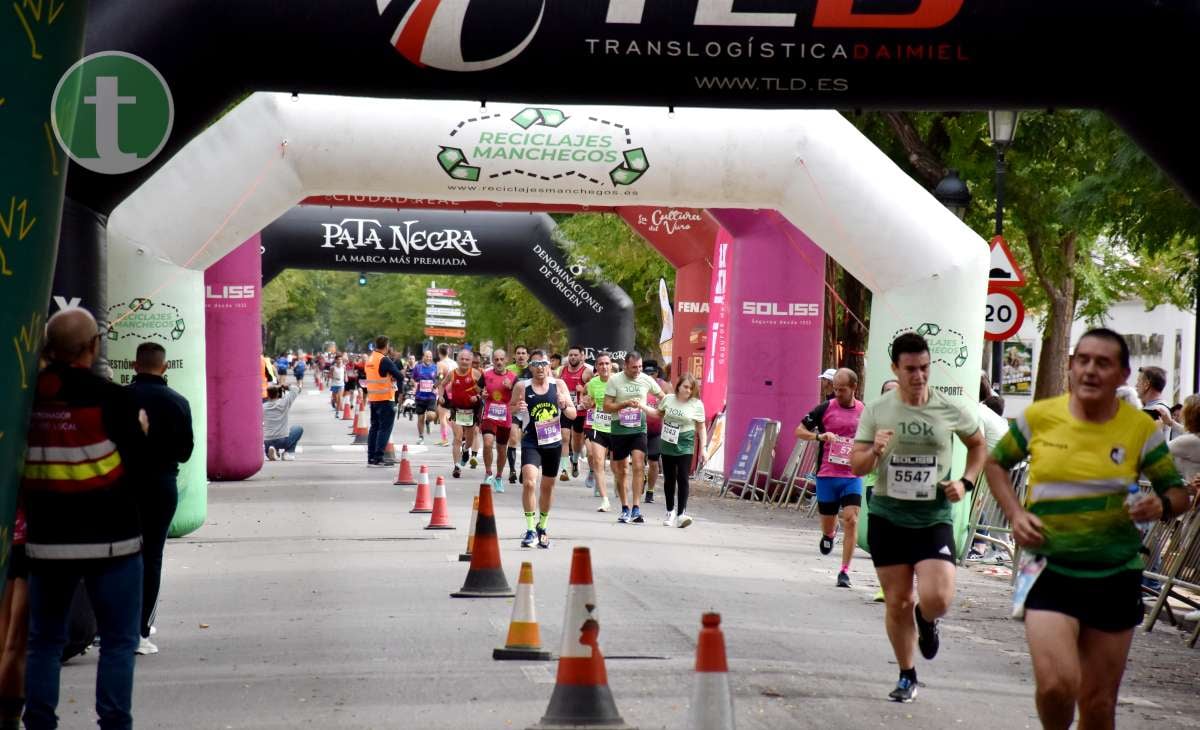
[(829, 340), (1056, 343), (854, 335)]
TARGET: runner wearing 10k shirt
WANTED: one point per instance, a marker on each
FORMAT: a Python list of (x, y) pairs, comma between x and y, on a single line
[(599, 425), (625, 399), (906, 438), (497, 385), (833, 425)]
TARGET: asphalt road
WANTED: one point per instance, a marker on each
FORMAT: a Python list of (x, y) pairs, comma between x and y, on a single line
[(313, 598)]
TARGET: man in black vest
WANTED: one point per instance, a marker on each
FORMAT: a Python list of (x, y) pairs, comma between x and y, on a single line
[(81, 494), (170, 438)]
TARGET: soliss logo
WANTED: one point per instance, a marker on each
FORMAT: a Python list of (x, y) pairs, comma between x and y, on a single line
[(431, 32), (780, 309)]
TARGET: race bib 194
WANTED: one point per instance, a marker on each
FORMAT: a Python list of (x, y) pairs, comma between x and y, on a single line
[(548, 432), (912, 477)]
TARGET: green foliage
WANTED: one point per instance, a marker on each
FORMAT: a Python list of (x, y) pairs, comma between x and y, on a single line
[(305, 308)]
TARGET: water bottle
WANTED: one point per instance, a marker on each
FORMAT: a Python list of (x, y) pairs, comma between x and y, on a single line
[(1135, 493)]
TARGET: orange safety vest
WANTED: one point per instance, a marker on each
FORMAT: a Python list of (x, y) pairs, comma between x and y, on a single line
[(265, 368), (378, 388)]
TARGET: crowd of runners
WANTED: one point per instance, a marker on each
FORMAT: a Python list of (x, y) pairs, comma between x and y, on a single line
[(539, 416), (1080, 594)]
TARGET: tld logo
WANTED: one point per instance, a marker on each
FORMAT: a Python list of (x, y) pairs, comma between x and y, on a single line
[(431, 32), (229, 292), (781, 309)]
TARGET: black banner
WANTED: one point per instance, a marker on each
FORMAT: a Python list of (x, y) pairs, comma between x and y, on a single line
[(1125, 56), (597, 314)]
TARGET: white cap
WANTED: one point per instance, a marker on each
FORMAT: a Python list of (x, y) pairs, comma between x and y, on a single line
[(828, 374)]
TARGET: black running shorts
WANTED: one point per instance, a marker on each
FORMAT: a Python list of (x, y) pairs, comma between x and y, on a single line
[(624, 444), (1112, 603), (545, 458), (891, 544), (603, 438)]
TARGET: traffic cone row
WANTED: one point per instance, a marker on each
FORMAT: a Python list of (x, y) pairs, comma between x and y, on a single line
[(404, 477), (485, 578), (471, 532), (423, 503), (362, 427), (439, 518), (347, 414), (524, 639)]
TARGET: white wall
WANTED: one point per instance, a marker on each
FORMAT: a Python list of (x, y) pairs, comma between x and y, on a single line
[(1175, 327)]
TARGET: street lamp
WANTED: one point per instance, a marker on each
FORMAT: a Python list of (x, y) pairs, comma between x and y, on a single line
[(952, 192), (1002, 126)]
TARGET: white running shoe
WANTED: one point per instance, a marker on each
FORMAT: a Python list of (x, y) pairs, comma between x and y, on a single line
[(670, 521), (289, 456), (145, 646), (272, 454), (1192, 616), (604, 506), (683, 520)]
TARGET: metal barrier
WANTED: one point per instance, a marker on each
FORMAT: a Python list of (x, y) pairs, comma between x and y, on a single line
[(799, 472), (1174, 562), (988, 520)]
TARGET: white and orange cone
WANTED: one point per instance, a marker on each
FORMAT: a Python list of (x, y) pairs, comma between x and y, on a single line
[(389, 452), (466, 557), (404, 477), (439, 519), (524, 639), (581, 695), (421, 501), (712, 702), (362, 426)]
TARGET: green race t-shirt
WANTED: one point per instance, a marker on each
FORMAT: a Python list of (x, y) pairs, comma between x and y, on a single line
[(907, 477), (680, 415), (595, 389), (622, 388)]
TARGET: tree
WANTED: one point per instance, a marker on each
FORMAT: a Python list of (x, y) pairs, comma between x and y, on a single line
[(1080, 198)]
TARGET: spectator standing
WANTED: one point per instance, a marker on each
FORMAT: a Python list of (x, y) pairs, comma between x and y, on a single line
[(82, 520), (170, 441), (382, 375), (14, 629), (1150, 384)]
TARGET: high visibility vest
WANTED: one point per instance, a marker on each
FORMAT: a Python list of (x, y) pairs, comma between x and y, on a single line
[(379, 388), (80, 458), (266, 373)]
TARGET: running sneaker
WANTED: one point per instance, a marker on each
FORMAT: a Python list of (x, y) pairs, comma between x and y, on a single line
[(289, 456), (906, 691), (462, 460), (420, 440), (590, 482), (670, 519), (474, 461), (974, 555), (843, 579), (498, 485), (682, 520), (604, 506), (529, 540), (512, 477), (878, 596), (624, 516), (145, 646), (443, 442), (563, 476), (636, 516), (543, 538), (457, 472), (574, 469), (272, 454), (927, 634), (649, 498), (826, 544)]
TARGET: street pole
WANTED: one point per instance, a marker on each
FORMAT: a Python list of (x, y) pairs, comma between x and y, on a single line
[(998, 347)]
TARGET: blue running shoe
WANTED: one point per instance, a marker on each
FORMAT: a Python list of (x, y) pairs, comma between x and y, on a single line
[(530, 539)]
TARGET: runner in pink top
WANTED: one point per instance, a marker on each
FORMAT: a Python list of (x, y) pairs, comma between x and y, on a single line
[(833, 424)]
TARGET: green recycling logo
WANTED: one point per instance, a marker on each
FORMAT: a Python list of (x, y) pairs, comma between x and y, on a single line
[(547, 145), (146, 320), (948, 347)]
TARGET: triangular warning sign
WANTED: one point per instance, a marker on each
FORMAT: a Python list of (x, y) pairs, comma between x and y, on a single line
[(1003, 268)]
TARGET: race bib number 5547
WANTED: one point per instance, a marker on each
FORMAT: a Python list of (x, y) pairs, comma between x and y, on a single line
[(912, 477)]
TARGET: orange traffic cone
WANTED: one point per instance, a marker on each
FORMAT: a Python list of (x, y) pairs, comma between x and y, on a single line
[(486, 578), (389, 452), (439, 519), (524, 640), (347, 414), (712, 702), (362, 427), (422, 503), (471, 533), (404, 478), (581, 695)]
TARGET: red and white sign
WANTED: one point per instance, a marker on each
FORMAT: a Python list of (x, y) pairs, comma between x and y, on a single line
[(448, 293), (1003, 269), (1005, 314)]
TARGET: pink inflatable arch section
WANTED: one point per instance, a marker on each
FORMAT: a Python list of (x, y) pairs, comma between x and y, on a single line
[(233, 339)]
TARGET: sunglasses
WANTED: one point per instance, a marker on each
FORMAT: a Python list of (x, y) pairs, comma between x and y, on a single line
[(539, 363)]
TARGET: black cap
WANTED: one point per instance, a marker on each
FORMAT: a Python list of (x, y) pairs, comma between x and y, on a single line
[(650, 367)]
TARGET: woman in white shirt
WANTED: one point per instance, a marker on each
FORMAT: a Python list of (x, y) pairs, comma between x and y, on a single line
[(337, 384)]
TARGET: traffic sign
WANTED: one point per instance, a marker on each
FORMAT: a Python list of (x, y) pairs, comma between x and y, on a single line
[(440, 293), (445, 321), (443, 312), (1003, 269), (1004, 315), (456, 334)]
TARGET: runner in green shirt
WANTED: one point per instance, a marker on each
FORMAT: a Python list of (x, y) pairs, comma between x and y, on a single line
[(625, 399), (683, 418), (905, 437), (596, 423)]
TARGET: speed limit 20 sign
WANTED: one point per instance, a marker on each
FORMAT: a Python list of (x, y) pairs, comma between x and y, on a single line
[(1004, 314)]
